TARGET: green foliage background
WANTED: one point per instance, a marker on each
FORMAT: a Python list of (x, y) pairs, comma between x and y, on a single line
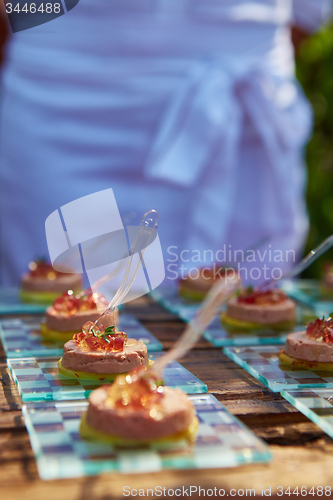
[(314, 64)]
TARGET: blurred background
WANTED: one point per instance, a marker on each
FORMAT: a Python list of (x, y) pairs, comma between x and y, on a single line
[(314, 66)]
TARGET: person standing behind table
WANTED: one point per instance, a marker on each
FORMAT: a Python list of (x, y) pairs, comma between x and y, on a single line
[(185, 106)]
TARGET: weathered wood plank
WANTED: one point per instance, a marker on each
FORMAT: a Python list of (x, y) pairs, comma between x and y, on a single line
[(303, 454), (299, 466), (14, 445)]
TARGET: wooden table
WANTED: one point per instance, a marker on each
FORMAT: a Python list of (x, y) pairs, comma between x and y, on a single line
[(302, 452)]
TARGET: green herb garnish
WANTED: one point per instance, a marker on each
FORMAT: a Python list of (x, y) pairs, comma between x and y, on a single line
[(109, 330)]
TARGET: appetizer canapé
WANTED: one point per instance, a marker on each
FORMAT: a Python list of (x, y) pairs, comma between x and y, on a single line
[(101, 354), (43, 284), (254, 309), (311, 349), (136, 411), (195, 287), (69, 313)]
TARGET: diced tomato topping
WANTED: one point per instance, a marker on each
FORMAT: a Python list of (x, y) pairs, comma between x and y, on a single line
[(87, 327), (118, 343), (321, 329), (78, 337), (92, 342), (136, 391), (120, 334), (69, 305), (42, 269), (258, 297), (101, 341)]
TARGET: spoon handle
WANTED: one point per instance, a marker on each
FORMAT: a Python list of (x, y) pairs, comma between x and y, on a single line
[(145, 232), (219, 294), (108, 277)]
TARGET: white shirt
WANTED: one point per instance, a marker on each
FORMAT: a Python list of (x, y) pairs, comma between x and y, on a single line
[(186, 106)]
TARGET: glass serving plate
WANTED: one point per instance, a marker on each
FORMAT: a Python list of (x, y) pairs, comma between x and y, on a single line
[(316, 404), (216, 334), (21, 338), (60, 452), (309, 293), (38, 379), (263, 363)]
